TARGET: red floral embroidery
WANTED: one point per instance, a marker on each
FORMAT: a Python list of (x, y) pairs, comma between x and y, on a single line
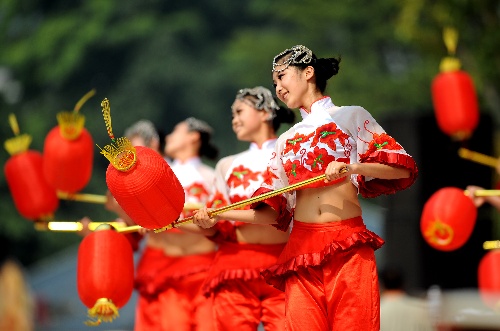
[(381, 141), (327, 134), (269, 176), (242, 176), (295, 143), (318, 159), (217, 200), (291, 168), (198, 191), (237, 198)]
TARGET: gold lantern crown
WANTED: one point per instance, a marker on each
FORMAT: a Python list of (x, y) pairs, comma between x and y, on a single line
[(71, 123), (120, 152), (450, 62), (21, 142)]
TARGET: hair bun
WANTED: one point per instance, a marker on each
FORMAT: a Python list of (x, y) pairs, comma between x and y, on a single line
[(327, 67)]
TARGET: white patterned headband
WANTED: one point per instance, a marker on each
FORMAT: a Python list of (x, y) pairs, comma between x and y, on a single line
[(262, 99), (299, 54), (195, 124)]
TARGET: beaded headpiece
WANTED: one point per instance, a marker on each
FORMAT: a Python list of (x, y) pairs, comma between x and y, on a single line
[(297, 55), (262, 99), (195, 124)]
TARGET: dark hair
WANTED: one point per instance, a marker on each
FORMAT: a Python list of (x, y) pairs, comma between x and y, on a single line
[(301, 57), (283, 115), (207, 149)]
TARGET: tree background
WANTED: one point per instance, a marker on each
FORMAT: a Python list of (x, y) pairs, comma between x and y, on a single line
[(166, 60)]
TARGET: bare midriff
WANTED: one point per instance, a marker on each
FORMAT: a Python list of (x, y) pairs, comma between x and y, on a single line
[(327, 204), (180, 244), (260, 234)]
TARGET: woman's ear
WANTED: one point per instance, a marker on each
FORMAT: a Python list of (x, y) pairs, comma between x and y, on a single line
[(308, 72)]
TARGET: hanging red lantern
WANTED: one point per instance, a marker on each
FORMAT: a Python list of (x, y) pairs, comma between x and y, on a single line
[(141, 181), (105, 273), (453, 95), (489, 278), (33, 197), (68, 151), (447, 219)]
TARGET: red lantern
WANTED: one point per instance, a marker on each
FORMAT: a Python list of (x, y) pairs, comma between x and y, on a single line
[(447, 219), (105, 273), (489, 278), (141, 181), (33, 197), (454, 96), (68, 151)]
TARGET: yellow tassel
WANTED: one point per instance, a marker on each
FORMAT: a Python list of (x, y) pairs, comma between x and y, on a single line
[(106, 112), (104, 310), (84, 99)]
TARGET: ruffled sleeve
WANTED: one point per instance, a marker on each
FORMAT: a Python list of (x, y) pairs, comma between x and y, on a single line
[(275, 178), (374, 145)]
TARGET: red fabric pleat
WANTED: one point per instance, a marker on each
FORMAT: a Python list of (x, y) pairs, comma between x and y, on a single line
[(156, 271), (375, 187), (312, 244), (240, 261)]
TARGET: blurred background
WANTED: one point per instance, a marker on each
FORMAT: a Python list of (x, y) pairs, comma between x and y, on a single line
[(168, 60)]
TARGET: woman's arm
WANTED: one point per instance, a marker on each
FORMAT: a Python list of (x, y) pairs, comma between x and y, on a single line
[(262, 215), (375, 170), (193, 228)]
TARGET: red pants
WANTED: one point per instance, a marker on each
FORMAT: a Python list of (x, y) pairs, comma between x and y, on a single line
[(242, 299), (171, 299), (329, 275), (341, 295), (241, 305)]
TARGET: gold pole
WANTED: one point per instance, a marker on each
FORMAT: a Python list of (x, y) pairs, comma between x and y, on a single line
[(492, 244), (249, 201), (82, 197), (64, 226), (478, 157), (485, 193)]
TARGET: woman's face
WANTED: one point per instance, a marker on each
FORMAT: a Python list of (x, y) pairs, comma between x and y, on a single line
[(247, 121), (179, 139), (290, 86)]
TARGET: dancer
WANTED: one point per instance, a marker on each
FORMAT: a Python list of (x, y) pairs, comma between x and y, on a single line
[(175, 264), (327, 269), (242, 299)]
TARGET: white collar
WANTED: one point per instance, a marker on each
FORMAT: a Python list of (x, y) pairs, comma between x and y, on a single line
[(323, 103), (267, 144), (194, 162)]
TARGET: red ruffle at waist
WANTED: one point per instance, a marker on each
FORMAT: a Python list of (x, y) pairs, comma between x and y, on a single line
[(153, 278), (240, 261), (312, 244)]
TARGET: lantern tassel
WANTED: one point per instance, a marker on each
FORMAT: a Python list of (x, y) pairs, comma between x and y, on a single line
[(106, 112), (480, 158), (104, 310)]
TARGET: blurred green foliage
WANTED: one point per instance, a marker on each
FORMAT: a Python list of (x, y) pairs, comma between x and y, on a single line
[(167, 60)]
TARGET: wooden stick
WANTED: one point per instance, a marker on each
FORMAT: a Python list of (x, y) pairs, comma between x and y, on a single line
[(249, 201), (478, 157), (63, 226)]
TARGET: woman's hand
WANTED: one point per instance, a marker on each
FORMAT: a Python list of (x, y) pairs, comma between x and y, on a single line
[(478, 201), (203, 219), (336, 170)]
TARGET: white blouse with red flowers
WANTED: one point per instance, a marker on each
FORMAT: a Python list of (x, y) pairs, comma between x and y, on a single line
[(196, 178), (348, 134), (239, 176)]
